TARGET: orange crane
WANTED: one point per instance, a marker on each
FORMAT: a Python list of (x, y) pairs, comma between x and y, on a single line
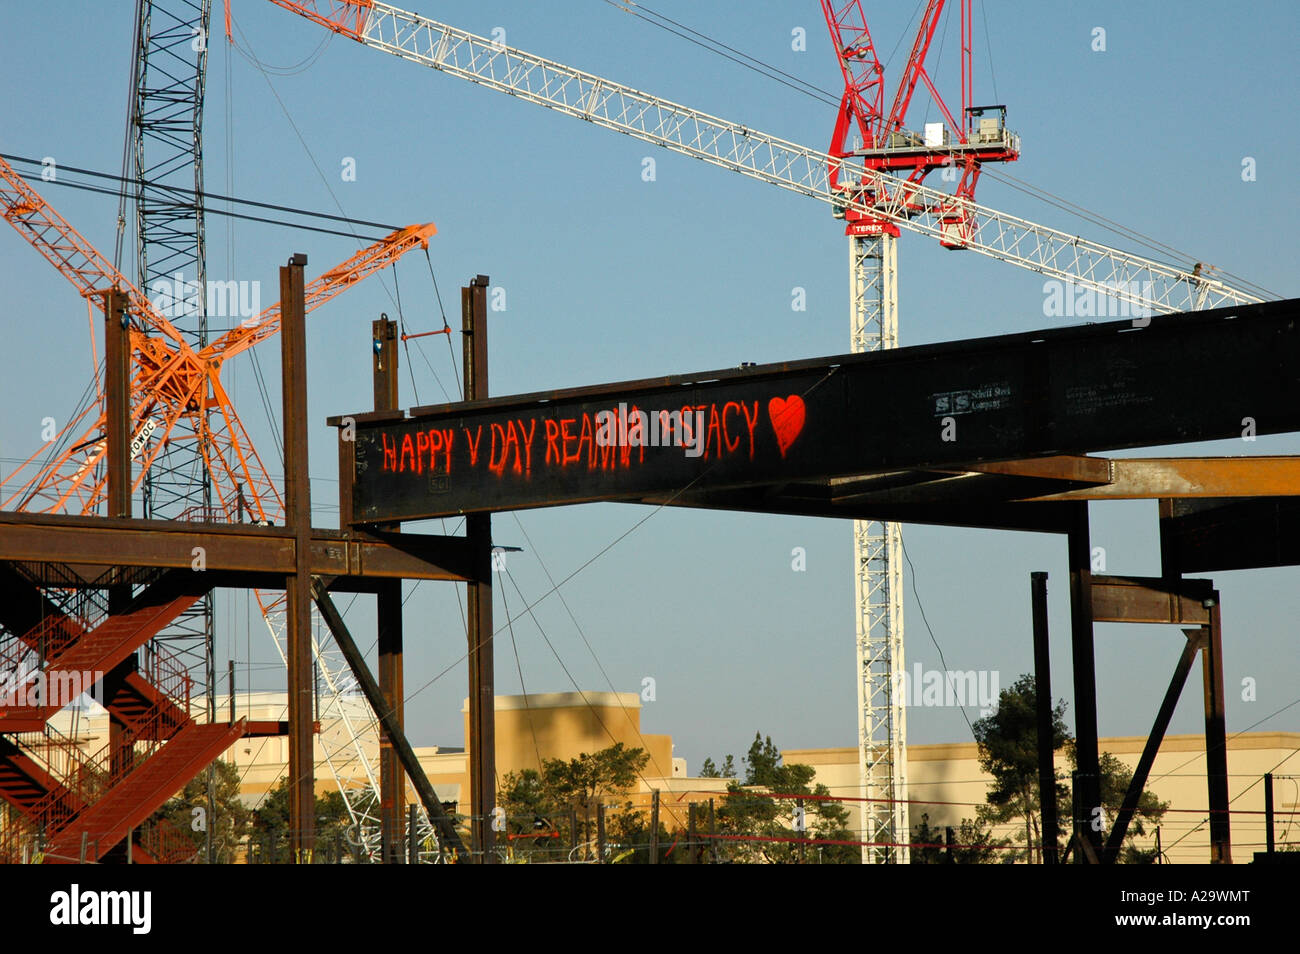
[(170, 380), (171, 383)]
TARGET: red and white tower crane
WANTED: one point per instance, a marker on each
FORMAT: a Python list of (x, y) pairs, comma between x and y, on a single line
[(882, 143)]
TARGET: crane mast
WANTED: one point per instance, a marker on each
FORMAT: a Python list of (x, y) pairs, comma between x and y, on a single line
[(872, 177), (166, 125)]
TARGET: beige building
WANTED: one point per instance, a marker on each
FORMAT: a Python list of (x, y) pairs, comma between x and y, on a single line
[(944, 781)]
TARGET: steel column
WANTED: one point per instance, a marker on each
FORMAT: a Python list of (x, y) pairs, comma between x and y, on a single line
[(1043, 695), (392, 780), (478, 530), (117, 424), (1088, 776), (1216, 741), (297, 508)]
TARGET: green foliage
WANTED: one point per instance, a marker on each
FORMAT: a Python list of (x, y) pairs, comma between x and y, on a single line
[(1008, 750), (269, 830), (1116, 777), (188, 813), (973, 844), (749, 812), (728, 769), (556, 807)]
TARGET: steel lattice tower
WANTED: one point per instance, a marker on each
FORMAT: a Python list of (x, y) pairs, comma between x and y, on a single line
[(167, 149), (878, 586)]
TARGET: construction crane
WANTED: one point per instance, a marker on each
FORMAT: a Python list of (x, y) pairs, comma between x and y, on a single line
[(165, 128), (876, 187), (176, 390), (882, 142)]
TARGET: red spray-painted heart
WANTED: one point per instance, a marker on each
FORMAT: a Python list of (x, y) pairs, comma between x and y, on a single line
[(787, 416)]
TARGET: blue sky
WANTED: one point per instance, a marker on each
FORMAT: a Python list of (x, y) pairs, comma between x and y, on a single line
[(609, 277)]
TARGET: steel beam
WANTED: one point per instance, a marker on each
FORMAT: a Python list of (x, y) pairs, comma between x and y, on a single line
[(1128, 599), (1183, 477), (1205, 536), (1046, 735), (1216, 741), (392, 781), (478, 531), (265, 554), (1088, 777), (297, 509), (943, 407)]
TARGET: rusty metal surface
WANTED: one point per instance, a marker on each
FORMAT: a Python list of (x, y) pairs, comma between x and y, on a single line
[(1118, 599), (261, 552), (1188, 477)]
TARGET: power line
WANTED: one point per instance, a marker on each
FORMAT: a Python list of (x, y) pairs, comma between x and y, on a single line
[(33, 177), (191, 194)]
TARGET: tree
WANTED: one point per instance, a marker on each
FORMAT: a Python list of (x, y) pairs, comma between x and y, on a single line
[(188, 813), (542, 807), (1116, 777), (972, 844), (270, 827), (1008, 750), (765, 826), (728, 769)]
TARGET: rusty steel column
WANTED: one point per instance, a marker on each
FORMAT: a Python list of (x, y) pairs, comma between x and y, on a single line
[(117, 426), (1043, 695), (117, 402), (478, 529), (1216, 740), (297, 508), (392, 780), (1085, 682)]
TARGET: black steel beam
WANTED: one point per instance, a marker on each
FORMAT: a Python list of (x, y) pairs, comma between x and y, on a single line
[(1207, 536), (1216, 740), (1088, 776), (1046, 735), (1182, 378)]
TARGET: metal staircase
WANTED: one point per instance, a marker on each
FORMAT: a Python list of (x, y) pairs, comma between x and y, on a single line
[(66, 805)]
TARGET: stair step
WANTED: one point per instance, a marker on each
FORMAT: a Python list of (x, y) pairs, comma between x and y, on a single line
[(108, 820)]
